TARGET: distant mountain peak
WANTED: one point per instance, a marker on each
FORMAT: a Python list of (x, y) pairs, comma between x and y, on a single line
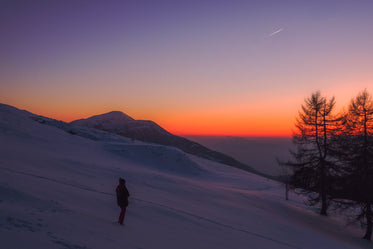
[(113, 115), (149, 131)]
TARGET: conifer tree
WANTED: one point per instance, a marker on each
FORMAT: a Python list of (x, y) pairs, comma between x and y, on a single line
[(312, 165), (356, 154)]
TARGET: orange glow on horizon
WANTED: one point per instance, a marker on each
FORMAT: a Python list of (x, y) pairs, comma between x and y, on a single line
[(232, 129), (203, 123), (269, 115), (229, 124)]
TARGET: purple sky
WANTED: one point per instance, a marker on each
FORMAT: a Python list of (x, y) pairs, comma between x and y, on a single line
[(182, 59)]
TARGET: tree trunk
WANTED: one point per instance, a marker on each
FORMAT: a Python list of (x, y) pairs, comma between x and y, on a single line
[(287, 191), (368, 233), (324, 206)]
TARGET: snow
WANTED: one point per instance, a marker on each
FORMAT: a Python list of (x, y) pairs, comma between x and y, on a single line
[(118, 122), (57, 191), (111, 119)]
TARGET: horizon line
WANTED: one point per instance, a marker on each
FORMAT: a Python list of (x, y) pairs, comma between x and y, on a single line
[(235, 135)]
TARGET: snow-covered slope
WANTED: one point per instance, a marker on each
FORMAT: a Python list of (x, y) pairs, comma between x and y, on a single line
[(148, 131), (57, 191), (120, 122)]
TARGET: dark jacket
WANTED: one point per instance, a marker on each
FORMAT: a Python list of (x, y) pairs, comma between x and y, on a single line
[(122, 195)]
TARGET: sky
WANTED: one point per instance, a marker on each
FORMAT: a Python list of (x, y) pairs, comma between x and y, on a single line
[(195, 67)]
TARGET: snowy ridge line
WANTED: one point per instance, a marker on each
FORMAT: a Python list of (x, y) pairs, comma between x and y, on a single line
[(160, 205)]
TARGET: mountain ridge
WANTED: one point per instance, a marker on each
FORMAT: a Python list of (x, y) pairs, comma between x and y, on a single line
[(142, 130), (148, 131)]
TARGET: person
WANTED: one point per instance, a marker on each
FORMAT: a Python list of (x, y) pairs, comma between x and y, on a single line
[(122, 199)]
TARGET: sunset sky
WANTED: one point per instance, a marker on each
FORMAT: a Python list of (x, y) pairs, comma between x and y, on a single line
[(195, 67)]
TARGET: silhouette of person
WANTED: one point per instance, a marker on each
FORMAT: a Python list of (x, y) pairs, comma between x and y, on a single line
[(122, 199)]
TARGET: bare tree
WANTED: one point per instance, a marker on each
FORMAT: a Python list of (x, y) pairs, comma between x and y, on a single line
[(356, 154), (312, 165)]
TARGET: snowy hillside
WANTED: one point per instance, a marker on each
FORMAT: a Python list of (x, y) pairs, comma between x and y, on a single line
[(121, 123), (57, 191), (148, 131)]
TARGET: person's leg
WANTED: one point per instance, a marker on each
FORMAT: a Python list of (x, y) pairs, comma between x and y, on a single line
[(122, 214)]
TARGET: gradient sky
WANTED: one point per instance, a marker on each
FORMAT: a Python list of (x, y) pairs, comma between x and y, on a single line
[(194, 67)]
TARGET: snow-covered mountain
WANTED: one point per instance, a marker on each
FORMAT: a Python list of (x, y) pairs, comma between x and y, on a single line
[(122, 124), (148, 131), (57, 186)]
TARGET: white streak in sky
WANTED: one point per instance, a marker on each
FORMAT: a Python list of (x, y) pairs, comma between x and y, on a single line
[(276, 32)]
